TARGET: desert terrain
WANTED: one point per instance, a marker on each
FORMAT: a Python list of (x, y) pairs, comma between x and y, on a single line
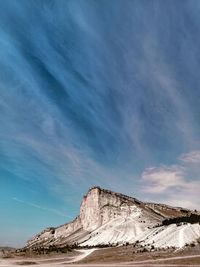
[(116, 256)]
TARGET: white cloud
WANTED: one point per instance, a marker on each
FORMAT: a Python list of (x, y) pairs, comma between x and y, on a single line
[(191, 157), (173, 184), (160, 179)]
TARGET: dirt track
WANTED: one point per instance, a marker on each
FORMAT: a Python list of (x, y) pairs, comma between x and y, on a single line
[(179, 261)]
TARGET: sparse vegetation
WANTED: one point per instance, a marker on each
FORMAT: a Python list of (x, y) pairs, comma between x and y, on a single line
[(26, 263), (7, 255), (45, 250), (192, 218)]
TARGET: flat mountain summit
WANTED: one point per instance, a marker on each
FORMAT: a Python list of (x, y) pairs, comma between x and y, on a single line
[(109, 218)]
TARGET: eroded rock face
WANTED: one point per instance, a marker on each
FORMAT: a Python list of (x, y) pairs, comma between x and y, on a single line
[(53, 236), (107, 217), (68, 228), (99, 206), (90, 210)]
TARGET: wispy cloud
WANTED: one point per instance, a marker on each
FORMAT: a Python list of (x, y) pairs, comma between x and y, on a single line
[(95, 93), (191, 157), (57, 212)]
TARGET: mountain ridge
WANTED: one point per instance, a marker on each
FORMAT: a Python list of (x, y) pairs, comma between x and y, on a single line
[(107, 217)]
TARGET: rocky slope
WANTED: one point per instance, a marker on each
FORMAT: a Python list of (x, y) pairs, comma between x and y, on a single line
[(112, 218)]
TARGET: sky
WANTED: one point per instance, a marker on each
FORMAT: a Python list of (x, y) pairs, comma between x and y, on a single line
[(96, 92)]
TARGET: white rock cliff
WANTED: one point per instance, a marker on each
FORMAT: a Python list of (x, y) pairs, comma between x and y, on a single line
[(112, 218)]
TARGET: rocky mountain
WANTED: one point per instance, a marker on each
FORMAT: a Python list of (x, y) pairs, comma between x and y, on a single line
[(111, 218)]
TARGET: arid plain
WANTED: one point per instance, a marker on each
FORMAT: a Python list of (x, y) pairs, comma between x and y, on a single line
[(118, 256)]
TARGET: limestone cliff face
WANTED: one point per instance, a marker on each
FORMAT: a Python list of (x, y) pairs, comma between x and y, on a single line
[(68, 228), (90, 210), (54, 236), (106, 217), (100, 205)]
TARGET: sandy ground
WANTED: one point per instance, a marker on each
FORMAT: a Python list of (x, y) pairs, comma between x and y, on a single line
[(51, 261), (89, 255)]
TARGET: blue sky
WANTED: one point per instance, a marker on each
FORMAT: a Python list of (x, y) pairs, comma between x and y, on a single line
[(96, 93)]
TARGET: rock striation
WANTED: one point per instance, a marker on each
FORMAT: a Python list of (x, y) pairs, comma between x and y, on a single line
[(107, 217)]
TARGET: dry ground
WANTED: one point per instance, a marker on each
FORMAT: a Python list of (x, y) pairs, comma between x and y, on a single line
[(128, 253), (119, 257)]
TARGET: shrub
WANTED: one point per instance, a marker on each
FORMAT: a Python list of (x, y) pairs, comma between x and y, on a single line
[(192, 218)]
